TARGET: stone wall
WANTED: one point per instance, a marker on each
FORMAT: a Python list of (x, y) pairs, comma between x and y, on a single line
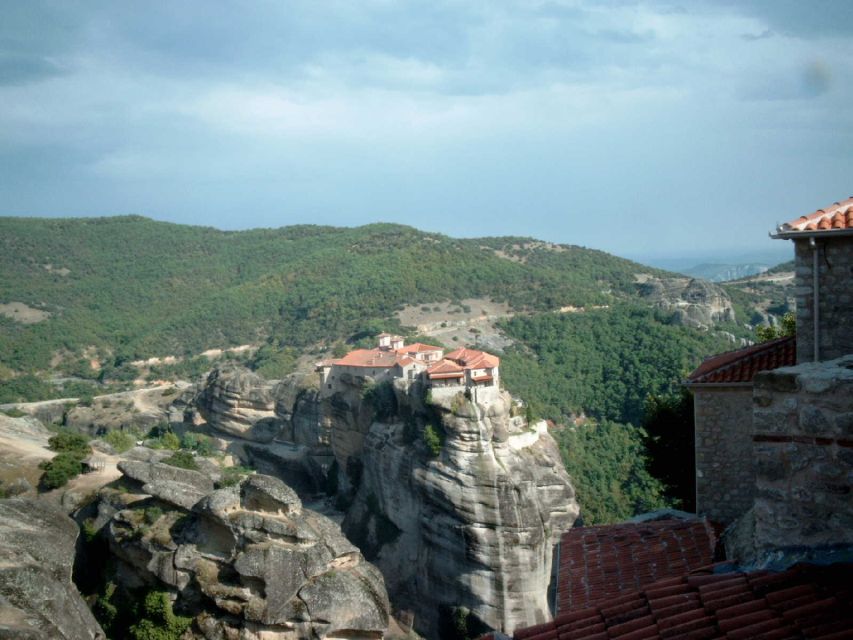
[(724, 475), (803, 449), (835, 260)]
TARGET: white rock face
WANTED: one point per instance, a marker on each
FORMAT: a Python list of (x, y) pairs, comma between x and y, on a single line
[(693, 302), (474, 527)]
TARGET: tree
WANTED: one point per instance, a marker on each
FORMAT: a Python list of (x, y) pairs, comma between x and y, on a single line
[(786, 327), (668, 422), (607, 465)]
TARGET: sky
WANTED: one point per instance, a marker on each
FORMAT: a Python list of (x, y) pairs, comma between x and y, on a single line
[(647, 129)]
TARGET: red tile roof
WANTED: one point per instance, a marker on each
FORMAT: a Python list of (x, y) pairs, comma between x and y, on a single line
[(741, 365), (418, 347), (839, 215), (473, 359), (600, 563), (376, 358), (806, 601)]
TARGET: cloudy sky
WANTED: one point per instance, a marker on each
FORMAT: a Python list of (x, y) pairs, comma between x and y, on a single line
[(642, 128)]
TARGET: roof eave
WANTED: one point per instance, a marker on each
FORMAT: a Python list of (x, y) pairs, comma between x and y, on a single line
[(793, 234), (690, 383)]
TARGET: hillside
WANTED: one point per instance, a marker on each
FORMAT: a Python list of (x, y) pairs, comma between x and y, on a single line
[(85, 297)]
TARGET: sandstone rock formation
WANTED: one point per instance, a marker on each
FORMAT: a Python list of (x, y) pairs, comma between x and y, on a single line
[(692, 302), (240, 403), (472, 528), (248, 560), (37, 598)]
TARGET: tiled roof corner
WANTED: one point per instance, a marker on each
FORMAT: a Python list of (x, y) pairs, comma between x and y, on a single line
[(839, 215), (741, 365)]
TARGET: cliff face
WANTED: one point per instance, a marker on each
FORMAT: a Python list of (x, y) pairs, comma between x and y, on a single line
[(37, 598), (468, 524), (473, 527)]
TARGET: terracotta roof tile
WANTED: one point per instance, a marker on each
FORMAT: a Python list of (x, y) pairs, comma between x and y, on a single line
[(598, 563), (473, 359), (838, 215), (807, 601), (742, 365)]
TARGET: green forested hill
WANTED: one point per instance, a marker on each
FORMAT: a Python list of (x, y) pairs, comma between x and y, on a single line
[(121, 289), (133, 287)]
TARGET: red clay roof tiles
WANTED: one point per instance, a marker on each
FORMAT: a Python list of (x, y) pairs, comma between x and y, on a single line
[(741, 365), (806, 601), (839, 215), (598, 564)]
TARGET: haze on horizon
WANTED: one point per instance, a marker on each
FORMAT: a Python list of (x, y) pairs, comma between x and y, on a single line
[(646, 129)]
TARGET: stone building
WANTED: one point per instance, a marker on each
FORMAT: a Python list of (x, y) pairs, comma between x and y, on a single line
[(823, 247), (722, 389), (463, 369)]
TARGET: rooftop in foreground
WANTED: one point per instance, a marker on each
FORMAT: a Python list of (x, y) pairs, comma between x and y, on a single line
[(805, 601), (741, 365)]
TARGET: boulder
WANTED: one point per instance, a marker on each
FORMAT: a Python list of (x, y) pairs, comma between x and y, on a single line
[(38, 601), (257, 564), (240, 403)]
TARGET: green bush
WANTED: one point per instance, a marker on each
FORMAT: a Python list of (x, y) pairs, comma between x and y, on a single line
[(62, 468), (182, 459), (159, 621), (197, 442), (121, 441), (233, 475), (70, 442), (432, 440), (170, 441)]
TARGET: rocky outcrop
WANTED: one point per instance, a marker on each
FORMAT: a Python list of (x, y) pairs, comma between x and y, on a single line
[(240, 403), (249, 561), (37, 598), (472, 528), (692, 302), (181, 487)]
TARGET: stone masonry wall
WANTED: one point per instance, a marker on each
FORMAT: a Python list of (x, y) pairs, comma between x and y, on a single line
[(724, 476), (836, 298), (803, 448)]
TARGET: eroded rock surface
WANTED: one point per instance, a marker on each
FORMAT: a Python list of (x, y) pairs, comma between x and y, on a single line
[(692, 302), (249, 561), (240, 403), (473, 527), (38, 601)]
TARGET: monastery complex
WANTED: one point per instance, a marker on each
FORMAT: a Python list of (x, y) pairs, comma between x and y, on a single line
[(444, 374)]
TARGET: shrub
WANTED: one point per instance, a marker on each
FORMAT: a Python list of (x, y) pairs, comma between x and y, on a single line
[(14, 413), (232, 475), (159, 621), (182, 459), (432, 440), (197, 442), (121, 441), (60, 470), (170, 441), (69, 442), (152, 514)]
